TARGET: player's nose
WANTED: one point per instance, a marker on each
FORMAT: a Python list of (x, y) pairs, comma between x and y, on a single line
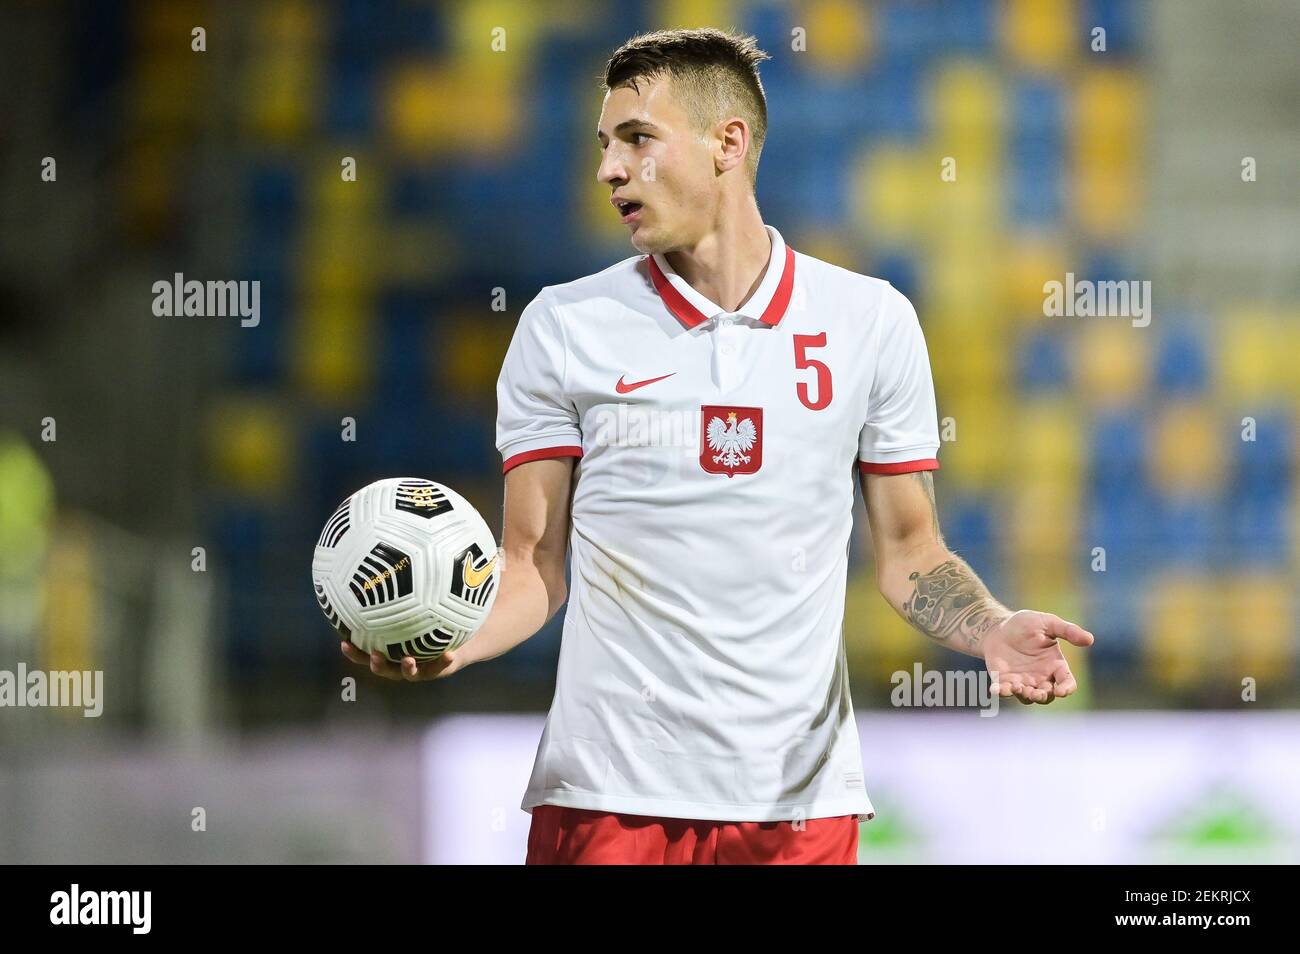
[(612, 170)]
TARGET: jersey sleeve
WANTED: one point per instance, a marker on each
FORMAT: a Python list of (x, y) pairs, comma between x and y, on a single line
[(535, 418), (901, 433)]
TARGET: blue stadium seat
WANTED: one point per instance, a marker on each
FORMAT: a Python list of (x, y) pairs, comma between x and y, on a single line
[(258, 353), (1263, 466), (1125, 523), (274, 197), (1188, 532), (1181, 364), (238, 530), (1111, 613), (350, 108), (1035, 177), (1256, 531), (1038, 110), (404, 360), (908, 31), (970, 528), (1119, 445), (967, 26), (1123, 21), (889, 102), (1042, 365)]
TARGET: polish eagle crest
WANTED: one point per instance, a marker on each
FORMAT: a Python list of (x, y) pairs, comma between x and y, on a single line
[(731, 440)]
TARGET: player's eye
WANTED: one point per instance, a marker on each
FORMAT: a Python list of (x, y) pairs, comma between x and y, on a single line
[(639, 135)]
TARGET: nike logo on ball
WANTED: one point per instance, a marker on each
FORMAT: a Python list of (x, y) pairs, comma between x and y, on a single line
[(623, 388), (474, 576)]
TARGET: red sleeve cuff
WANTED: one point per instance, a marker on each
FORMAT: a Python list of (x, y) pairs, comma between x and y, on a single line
[(899, 467), (542, 453)]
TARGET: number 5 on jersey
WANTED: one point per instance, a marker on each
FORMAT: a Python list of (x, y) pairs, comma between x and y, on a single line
[(802, 343)]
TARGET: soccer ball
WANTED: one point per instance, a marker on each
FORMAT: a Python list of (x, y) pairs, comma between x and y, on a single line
[(406, 566)]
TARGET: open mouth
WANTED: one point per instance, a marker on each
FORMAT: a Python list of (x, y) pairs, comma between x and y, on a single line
[(629, 211)]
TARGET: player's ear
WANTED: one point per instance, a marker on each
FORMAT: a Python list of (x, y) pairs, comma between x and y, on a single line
[(732, 143)]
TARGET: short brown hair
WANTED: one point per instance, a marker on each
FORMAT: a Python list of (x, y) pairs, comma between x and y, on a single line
[(716, 71)]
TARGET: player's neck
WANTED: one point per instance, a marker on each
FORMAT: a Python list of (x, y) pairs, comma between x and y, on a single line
[(729, 261)]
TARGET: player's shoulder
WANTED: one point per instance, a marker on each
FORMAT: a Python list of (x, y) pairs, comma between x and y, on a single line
[(616, 281), (872, 298)]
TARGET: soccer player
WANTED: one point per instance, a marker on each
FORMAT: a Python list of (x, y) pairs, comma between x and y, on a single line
[(689, 423)]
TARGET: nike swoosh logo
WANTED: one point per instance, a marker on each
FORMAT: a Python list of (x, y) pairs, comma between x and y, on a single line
[(622, 388), (474, 578)]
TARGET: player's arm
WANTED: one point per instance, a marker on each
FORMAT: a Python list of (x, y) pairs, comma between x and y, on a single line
[(929, 585), (938, 593), (534, 543), (533, 548)]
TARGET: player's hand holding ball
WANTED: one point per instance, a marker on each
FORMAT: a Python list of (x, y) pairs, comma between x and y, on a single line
[(406, 570)]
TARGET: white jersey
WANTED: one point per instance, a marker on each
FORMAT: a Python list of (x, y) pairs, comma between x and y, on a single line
[(702, 671)]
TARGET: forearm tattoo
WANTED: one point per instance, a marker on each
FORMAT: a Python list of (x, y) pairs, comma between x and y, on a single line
[(950, 604)]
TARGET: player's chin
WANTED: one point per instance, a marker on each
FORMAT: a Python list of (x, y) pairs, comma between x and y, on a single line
[(648, 240)]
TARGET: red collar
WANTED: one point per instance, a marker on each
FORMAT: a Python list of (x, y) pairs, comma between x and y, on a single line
[(690, 315)]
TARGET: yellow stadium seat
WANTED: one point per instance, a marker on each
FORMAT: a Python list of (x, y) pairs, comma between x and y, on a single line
[(690, 14), (468, 359), (251, 444), (338, 261), (1105, 202), (1046, 444), (416, 253), (975, 459), (968, 109), (964, 212), (72, 611), (150, 184), (1112, 361), (1289, 337), (1108, 117), (961, 281), (437, 109), (978, 366), (331, 196), (1042, 525), (166, 88), (281, 92), (1029, 262), (333, 348), (839, 36), (496, 39), (1253, 363), (1049, 583), (1183, 641), (1259, 612), (162, 24), (1187, 449), (892, 188), (1041, 34), (280, 24)]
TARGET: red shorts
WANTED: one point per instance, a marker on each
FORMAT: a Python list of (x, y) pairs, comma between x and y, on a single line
[(576, 836)]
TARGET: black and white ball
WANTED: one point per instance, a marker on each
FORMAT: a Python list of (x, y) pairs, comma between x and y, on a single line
[(406, 566)]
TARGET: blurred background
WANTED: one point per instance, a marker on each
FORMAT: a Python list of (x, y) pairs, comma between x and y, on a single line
[(163, 479)]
